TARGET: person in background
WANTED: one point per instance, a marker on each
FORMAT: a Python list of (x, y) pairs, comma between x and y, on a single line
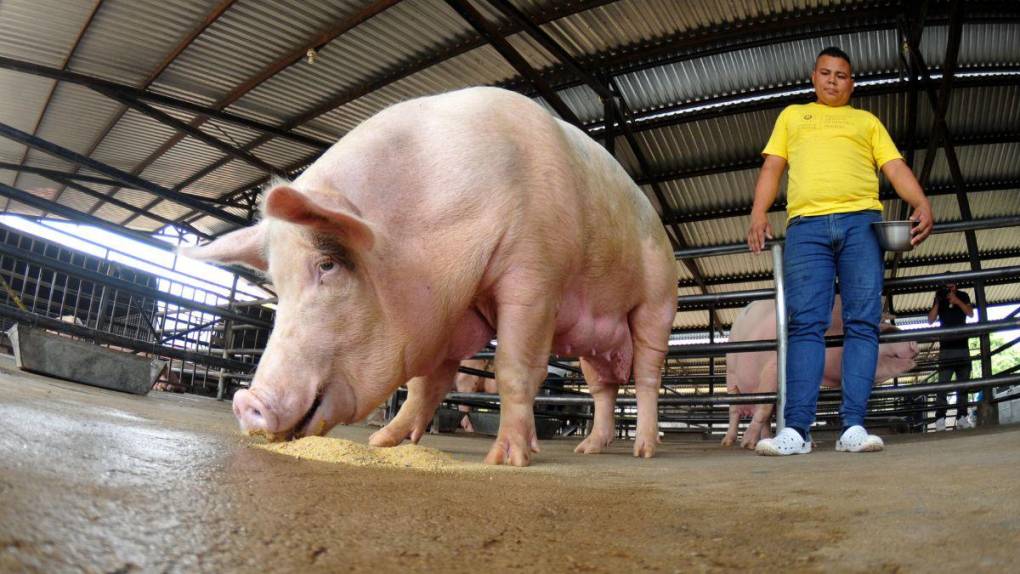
[(834, 152), (951, 308)]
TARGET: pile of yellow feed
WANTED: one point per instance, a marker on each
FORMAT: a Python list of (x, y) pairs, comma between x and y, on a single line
[(338, 450)]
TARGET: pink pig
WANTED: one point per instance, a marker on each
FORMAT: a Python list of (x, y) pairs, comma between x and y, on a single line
[(467, 383), (432, 227), (756, 372)]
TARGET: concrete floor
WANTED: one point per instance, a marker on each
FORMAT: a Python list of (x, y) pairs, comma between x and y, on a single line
[(98, 481)]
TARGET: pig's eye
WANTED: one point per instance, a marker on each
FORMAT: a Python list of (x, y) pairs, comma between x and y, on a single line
[(326, 265)]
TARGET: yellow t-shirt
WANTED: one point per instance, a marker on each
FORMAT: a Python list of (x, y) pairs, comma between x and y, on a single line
[(833, 154)]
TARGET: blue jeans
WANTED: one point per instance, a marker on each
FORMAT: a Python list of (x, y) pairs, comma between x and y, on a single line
[(819, 249)]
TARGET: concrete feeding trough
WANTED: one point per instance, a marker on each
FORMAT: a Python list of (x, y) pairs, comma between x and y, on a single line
[(42, 352)]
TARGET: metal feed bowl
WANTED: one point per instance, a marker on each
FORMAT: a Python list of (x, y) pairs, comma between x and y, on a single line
[(894, 235)]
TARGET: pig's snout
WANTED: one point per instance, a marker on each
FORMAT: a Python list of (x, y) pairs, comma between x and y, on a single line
[(253, 414)]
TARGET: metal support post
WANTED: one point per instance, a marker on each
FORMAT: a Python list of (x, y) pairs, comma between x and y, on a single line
[(228, 331), (777, 270)]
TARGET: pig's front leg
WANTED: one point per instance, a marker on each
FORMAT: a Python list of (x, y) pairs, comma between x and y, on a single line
[(423, 397), (731, 431), (604, 421), (525, 333)]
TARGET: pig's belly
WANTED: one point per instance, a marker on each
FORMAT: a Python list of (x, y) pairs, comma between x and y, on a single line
[(603, 341)]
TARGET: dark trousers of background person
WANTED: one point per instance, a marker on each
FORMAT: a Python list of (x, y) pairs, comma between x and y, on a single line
[(953, 361)]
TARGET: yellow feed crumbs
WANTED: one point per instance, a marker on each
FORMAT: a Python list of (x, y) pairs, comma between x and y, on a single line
[(338, 450)]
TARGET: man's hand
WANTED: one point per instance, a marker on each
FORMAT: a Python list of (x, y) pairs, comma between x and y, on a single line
[(952, 298), (922, 215), (760, 230), (765, 191), (903, 181)]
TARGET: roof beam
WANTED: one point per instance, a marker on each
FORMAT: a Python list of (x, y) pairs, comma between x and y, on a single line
[(168, 120), (816, 22), (210, 18), (495, 39), (53, 89), (47, 206), (125, 205), (127, 179), (53, 174), (281, 63), (121, 92)]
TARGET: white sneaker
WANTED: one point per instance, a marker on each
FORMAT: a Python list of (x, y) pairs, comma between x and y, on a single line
[(786, 442), (856, 439), (963, 423), (940, 424)]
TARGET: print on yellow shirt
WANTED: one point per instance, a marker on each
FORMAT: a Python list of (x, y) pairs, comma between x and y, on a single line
[(833, 156)]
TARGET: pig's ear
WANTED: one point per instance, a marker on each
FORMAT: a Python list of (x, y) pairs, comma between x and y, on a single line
[(243, 246), (286, 203)]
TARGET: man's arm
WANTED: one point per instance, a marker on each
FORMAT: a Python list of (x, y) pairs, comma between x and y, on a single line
[(964, 306), (907, 187), (933, 313), (765, 192)]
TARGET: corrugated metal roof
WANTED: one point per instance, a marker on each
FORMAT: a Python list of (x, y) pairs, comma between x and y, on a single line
[(127, 40), (40, 31)]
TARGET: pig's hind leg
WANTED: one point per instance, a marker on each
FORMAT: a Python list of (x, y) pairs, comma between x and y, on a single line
[(603, 390), (650, 324), (761, 422), (423, 397)]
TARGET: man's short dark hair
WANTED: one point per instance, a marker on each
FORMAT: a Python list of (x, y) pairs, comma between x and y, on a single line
[(835, 53)]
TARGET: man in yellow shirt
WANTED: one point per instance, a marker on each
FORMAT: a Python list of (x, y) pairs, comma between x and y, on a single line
[(834, 151)]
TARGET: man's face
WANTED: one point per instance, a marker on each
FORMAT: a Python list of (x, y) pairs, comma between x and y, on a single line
[(832, 81), (951, 287)]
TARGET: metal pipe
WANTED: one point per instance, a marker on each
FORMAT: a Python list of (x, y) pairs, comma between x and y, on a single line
[(713, 299), (759, 398), (932, 334), (117, 340), (953, 227), (127, 286), (129, 180), (781, 335)]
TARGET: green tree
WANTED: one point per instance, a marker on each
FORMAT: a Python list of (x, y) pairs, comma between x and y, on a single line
[(1000, 362)]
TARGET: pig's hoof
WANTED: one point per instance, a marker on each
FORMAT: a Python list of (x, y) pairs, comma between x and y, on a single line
[(505, 452), (727, 441), (644, 448), (385, 437), (749, 443), (594, 444)]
